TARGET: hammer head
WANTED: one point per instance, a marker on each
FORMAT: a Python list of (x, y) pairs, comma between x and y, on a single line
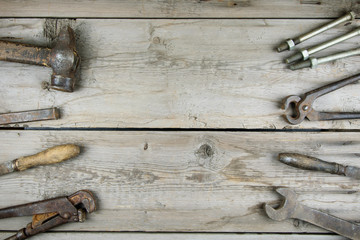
[(64, 61), (286, 209)]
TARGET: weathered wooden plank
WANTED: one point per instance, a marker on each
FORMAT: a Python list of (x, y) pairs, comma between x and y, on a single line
[(182, 181), (177, 236), (177, 74), (178, 9)]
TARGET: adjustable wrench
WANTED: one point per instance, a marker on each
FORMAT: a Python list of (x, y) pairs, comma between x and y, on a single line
[(291, 208)]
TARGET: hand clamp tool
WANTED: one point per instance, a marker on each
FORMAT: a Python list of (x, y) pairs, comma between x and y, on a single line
[(302, 106), (51, 213)]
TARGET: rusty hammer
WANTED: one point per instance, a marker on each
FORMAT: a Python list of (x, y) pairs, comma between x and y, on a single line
[(62, 58)]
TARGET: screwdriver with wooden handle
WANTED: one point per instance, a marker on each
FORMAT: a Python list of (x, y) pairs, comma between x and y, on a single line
[(49, 156), (312, 163)]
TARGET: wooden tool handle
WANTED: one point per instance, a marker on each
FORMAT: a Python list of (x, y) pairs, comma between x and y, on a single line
[(49, 156), (310, 163)]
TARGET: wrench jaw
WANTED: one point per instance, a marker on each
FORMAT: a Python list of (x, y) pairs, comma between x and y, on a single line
[(84, 198), (287, 207), (291, 105)]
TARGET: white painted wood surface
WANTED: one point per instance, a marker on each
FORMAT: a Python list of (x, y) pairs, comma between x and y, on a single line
[(176, 236), (178, 8), (177, 74), (182, 181)]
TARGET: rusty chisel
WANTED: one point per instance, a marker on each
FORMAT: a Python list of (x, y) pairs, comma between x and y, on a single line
[(30, 116), (312, 163), (49, 156)]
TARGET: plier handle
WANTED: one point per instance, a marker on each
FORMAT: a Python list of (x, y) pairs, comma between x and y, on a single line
[(51, 213)]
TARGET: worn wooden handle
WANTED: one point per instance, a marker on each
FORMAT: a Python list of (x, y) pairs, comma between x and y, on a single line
[(49, 156), (309, 163)]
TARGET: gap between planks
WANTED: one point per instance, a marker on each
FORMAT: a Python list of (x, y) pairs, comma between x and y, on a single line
[(177, 236)]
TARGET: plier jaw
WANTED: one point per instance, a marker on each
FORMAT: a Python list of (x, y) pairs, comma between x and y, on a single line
[(297, 109), (51, 213), (301, 107)]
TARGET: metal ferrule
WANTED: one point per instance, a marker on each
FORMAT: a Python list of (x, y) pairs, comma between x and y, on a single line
[(8, 167)]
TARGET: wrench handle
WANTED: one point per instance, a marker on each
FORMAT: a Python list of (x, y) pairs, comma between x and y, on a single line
[(23, 53), (327, 221)]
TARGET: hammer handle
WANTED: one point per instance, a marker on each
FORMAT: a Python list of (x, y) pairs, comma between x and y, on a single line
[(311, 163), (49, 156), (23, 53)]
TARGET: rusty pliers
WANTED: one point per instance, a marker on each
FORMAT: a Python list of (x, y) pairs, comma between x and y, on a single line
[(302, 106), (51, 213)]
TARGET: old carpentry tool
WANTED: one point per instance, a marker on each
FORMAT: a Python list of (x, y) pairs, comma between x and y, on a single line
[(313, 61), (30, 116), (302, 106), (290, 43), (49, 156), (62, 58), (312, 163), (291, 208), (305, 53), (51, 213)]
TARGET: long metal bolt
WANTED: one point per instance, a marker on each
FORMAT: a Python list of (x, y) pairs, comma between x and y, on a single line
[(305, 54), (290, 43), (313, 62)]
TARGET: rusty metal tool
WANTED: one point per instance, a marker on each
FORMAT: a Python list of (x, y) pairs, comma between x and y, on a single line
[(289, 44), (30, 116), (291, 208), (49, 156), (62, 58), (51, 213), (312, 163), (302, 106), (305, 53)]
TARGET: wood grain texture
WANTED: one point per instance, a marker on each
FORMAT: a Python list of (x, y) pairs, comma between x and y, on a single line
[(189, 181), (177, 74), (178, 9), (177, 236)]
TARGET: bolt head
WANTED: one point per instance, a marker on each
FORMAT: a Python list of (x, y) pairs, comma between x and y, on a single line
[(305, 107)]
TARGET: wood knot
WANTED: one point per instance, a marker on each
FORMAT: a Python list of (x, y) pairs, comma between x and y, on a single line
[(205, 151)]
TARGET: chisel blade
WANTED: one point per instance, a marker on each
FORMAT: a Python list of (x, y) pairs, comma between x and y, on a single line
[(30, 116), (7, 167), (353, 172)]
